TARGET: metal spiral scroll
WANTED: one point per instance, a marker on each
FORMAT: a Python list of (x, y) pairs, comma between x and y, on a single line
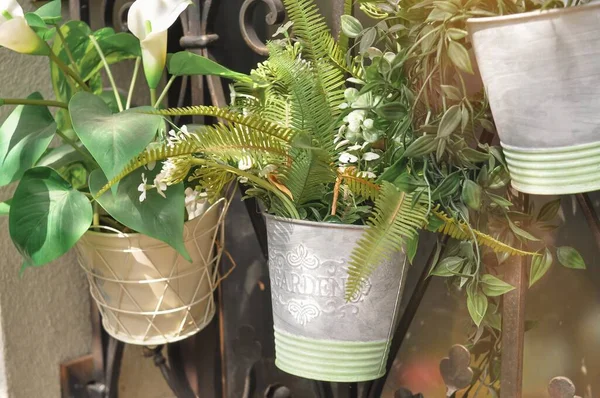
[(275, 16)]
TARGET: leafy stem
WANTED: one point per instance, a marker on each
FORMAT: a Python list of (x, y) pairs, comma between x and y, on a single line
[(68, 71), (76, 147), (65, 45), (165, 91), (136, 69), (24, 101), (152, 96), (108, 72)]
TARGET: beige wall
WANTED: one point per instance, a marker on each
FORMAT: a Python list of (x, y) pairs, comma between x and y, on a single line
[(44, 315)]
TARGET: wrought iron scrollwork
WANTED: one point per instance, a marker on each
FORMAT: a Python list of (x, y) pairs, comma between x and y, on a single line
[(275, 16)]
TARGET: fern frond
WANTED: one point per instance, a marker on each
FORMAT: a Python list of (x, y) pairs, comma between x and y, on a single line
[(234, 142), (254, 122), (364, 187), (212, 181), (461, 231), (395, 221), (337, 54), (312, 107), (307, 175), (309, 27)]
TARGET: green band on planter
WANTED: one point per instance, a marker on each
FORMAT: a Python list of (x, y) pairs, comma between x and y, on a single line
[(330, 360), (554, 171)]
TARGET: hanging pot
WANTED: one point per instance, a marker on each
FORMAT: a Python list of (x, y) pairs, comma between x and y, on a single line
[(541, 73), (147, 293), (318, 335)]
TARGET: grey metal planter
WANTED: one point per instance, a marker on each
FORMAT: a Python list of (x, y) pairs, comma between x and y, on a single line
[(540, 70), (318, 335)]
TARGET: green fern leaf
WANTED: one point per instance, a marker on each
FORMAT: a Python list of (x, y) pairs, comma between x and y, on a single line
[(461, 231), (395, 221), (250, 121)]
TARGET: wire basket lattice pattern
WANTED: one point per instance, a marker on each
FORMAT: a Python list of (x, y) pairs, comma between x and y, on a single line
[(147, 293)]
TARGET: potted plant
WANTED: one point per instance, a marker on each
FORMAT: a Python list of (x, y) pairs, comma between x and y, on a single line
[(333, 166), (539, 70), (150, 263), (452, 116)]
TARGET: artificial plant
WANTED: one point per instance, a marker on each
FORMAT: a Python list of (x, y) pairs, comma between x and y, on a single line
[(320, 136), (99, 131)]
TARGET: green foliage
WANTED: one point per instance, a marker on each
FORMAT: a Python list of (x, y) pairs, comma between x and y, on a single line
[(24, 137), (570, 257), (47, 216), (159, 217), (112, 139), (395, 220), (187, 63)]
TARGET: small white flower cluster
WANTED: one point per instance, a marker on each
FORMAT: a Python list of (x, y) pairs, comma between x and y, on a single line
[(195, 203), (177, 137), (158, 183), (358, 132)]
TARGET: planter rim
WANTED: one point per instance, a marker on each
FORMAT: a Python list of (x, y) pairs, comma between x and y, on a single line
[(316, 224), (527, 16), (122, 235)]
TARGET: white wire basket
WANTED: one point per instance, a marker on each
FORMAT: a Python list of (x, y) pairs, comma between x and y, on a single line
[(147, 293)]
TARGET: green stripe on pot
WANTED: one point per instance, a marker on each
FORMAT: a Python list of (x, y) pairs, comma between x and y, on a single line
[(554, 171), (329, 360)]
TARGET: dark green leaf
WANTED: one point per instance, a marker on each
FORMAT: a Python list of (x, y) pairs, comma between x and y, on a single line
[(500, 201), (158, 217), (521, 232), (47, 216), (406, 183), (570, 258), (187, 63), (24, 137), (351, 26), (39, 26), (422, 146), (477, 304), (471, 194), (549, 211), (475, 156), (539, 266), (411, 247), (493, 287), (367, 40), (450, 121), (392, 111), (449, 266), (112, 139), (459, 56)]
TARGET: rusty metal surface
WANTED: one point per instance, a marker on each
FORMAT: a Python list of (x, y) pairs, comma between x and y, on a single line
[(561, 387), (513, 329), (275, 16)]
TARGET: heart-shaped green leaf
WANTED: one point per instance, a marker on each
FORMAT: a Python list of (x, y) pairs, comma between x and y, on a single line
[(187, 63), (24, 137), (112, 139), (158, 217), (47, 216)]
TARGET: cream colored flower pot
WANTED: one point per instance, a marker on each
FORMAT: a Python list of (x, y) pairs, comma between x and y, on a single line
[(148, 293), (541, 73)]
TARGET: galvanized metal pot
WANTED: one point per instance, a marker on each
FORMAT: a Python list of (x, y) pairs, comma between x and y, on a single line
[(318, 335), (540, 70), (147, 293)]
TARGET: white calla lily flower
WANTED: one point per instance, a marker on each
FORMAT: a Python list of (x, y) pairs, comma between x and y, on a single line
[(15, 33), (149, 20)]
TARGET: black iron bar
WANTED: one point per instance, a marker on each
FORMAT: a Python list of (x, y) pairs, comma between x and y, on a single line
[(590, 215), (376, 388)]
